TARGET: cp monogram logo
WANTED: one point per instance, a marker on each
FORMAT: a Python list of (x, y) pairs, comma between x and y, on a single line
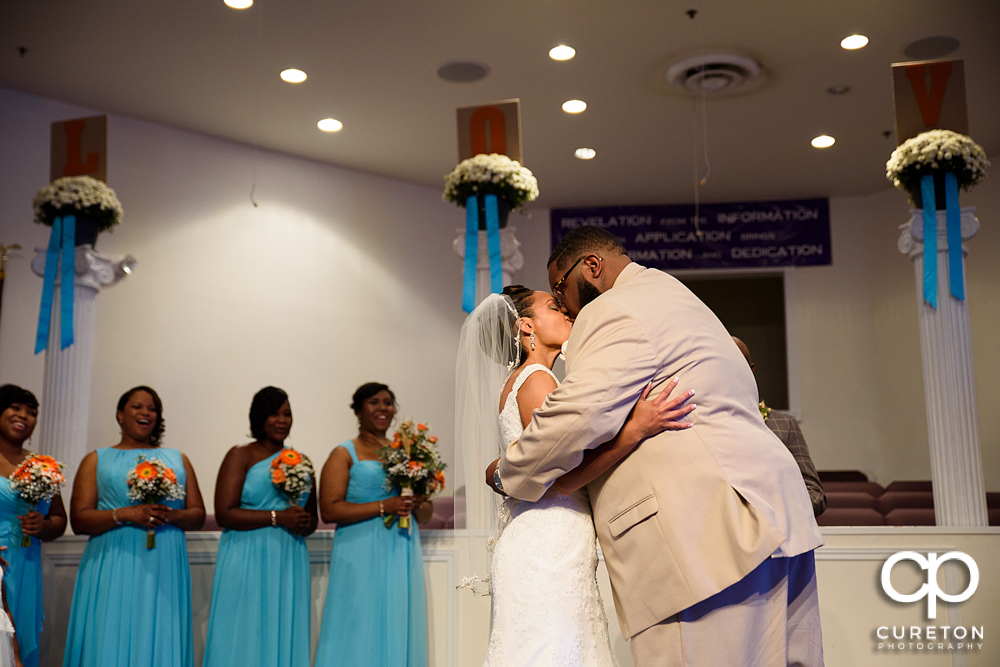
[(930, 590)]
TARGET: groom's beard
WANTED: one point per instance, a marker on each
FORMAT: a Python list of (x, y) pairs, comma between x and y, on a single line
[(587, 291)]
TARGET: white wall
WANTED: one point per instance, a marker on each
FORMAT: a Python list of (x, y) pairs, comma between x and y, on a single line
[(337, 278), (859, 342), (341, 277)]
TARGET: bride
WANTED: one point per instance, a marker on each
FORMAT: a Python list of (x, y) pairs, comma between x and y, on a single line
[(546, 608)]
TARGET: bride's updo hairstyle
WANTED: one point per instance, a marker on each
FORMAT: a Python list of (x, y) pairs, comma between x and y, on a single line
[(523, 299)]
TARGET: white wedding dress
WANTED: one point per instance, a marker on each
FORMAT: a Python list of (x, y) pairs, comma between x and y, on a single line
[(547, 611)]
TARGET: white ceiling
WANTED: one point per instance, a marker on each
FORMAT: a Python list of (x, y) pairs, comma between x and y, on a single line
[(200, 65)]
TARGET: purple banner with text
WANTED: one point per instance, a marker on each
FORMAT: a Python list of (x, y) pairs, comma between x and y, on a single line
[(793, 232)]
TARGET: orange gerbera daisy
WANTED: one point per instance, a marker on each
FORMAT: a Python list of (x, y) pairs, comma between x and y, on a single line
[(145, 470), (421, 427), (416, 465), (432, 439), (278, 476), (289, 457), (169, 474)]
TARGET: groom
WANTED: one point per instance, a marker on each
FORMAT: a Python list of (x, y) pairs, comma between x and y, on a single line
[(707, 532)]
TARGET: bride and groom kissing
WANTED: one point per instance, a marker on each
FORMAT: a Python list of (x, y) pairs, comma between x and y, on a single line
[(704, 521)]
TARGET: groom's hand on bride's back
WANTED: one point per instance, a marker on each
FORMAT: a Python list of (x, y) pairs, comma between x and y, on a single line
[(663, 413)]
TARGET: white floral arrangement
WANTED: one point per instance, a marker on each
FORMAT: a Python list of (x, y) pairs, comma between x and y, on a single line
[(78, 195), (934, 152), (491, 174)]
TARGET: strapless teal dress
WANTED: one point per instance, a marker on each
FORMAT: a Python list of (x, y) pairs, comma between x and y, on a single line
[(24, 579), (375, 614), (261, 593), (131, 605)]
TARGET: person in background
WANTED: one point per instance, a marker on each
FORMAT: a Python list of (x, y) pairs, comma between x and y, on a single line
[(786, 427), (23, 581), (132, 603), (375, 613), (261, 595)]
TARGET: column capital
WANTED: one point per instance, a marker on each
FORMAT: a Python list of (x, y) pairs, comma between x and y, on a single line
[(911, 232), (92, 269)]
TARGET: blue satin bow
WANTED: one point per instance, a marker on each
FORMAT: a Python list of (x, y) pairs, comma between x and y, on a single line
[(954, 236), (472, 249), (63, 237)]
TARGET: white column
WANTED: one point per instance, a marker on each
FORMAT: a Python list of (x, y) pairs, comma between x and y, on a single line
[(949, 381), (472, 500), (65, 402), (510, 254)]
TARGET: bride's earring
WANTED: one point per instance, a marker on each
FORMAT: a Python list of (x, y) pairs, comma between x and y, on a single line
[(532, 340)]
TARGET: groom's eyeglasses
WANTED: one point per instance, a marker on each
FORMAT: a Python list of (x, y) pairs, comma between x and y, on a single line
[(560, 285)]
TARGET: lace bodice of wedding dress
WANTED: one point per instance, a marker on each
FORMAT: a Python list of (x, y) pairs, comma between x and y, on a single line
[(547, 611)]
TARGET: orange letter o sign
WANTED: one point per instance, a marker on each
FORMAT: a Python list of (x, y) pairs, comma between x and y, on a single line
[(477, 129)]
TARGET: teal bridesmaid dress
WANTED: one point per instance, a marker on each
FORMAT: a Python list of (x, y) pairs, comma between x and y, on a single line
[(261, 593), (23, 580), (375, 614), (131, 605)]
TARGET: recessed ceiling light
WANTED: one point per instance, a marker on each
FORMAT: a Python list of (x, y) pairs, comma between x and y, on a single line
[(574, 106), (239, 4), (330, 125), (562, 52), (293, 76), (585, 153), (854, 42), (823, 141)]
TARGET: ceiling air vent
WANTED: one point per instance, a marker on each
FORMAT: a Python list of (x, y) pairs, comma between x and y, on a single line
[(714, 74)]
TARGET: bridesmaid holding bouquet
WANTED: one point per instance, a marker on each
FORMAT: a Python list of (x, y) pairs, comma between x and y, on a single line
[(375, 612), (132, 600), (265, 500), (22, 522)]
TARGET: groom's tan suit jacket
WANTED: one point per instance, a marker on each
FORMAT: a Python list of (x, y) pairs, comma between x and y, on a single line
[(688, 512)]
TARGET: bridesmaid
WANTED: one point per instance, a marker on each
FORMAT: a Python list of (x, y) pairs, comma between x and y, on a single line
[(132, 605), (375, 614), (261, 595), (23, 580)]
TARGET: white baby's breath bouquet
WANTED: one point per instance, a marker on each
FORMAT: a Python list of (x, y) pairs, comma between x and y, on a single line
[(937, 152), (412, 463), (38, 478), (151, 481), (490, 174), (292, 473), (78, 195)]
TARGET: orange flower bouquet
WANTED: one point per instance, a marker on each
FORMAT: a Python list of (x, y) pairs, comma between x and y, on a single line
[(38, 478), (293, 473), (412, 464), (151, 481)]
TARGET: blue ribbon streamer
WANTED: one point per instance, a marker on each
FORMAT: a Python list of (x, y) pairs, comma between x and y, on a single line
[(493, 243), (930, 240), (471, 254), (66, 297), (63, 237), (954, 237)]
